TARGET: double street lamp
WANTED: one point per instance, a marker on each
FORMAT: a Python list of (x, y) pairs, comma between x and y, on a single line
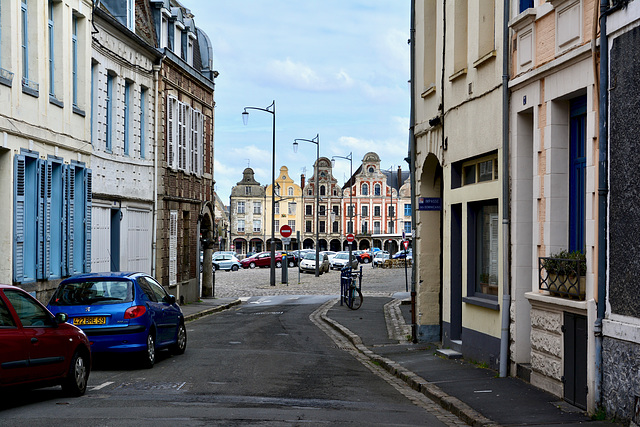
[(314, 140), (350, 210), (245, 118)]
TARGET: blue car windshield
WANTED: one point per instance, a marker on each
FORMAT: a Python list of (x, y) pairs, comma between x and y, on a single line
[(93, 292)]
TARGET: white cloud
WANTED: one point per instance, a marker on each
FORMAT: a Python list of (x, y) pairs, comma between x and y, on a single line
[(299, 76)]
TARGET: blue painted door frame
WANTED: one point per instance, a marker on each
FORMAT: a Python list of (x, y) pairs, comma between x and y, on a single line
[(577, 173)]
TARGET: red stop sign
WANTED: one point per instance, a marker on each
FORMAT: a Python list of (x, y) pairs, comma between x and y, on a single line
[(285, 231), (350, 238)]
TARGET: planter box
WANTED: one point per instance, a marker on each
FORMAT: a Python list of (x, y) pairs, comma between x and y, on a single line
[(567, 286)]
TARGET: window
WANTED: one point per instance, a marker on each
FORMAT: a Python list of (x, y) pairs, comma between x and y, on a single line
[(483, 169), (460, 25), (407, 209), (350, 211), (391, 228), (430, 29), (173, 247), (307, 227), (407, 226), (365, 210), (126, 113), (143, 122), (310, 191), (190, 50), (292, 224), (336, 210), (247, 190), (240, 226), (131, 14), (376, 190), (276, 225), (240, 207), (257, 226), (322, 210), (74, 58), (322, 226), (276, 209), (109, 112), (350, 227), (292, 208), (486, 27), (28, 35), (392, 211), (290, 191), (365, 190), (257, 208), (323, 190), (52, 51), (483, 235), (377, 210), (364, 227), (52, 218), (524, 5), (308, 210), (185, 137), (577, 173), (376, 227), (94, 102), (6, 320), (30, 313), (335, 227)]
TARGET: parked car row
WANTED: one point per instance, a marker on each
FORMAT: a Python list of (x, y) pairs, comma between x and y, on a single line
[(109, 313)]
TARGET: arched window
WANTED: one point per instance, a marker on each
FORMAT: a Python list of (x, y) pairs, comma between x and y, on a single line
[(290, 191), (376, 190), (365, 190), (322, 190), (310, 191)]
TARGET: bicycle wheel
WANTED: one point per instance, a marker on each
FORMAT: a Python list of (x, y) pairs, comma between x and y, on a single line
[(355, 298)]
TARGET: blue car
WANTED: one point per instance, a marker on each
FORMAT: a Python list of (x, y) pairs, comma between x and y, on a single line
[(122, 313)]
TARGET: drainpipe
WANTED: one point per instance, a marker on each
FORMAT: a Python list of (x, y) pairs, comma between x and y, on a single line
[(154, 232), (412, 172), (506, 297), (603, 185)]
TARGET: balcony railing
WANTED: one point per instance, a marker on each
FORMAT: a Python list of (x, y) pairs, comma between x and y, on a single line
[(562, 277)]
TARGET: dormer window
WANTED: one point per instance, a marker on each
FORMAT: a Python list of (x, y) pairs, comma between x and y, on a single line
[(190, 48), (177, 38), (164, 29), (131, 14), (371, 169)]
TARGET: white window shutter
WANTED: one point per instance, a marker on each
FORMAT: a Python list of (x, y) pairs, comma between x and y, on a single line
[(173, 247)]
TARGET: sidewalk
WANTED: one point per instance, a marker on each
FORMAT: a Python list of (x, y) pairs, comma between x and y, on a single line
[(477, 395)]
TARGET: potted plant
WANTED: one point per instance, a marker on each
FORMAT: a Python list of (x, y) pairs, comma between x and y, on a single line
[(565, 273)]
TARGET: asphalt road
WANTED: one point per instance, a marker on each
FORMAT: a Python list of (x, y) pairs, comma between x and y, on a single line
[(262, 363)]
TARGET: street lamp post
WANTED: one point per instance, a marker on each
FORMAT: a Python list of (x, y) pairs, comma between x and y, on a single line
[(315, 140), (350, 210), (245, 118)]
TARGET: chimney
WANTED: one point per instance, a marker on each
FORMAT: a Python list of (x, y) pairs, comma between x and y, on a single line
[(302, 181)]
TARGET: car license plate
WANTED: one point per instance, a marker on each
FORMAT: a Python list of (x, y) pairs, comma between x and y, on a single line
[(95, 320)]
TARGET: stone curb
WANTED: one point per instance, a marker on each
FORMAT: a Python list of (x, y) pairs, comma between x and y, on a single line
[(419, 384), (211, 310)]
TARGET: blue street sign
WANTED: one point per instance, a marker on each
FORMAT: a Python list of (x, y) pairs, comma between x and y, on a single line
[(429, 204)]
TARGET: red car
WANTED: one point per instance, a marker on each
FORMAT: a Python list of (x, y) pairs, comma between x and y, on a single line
[(262, 259), (38, 349)]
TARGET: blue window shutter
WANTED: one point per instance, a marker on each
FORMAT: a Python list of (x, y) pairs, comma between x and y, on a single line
[(70, 197), (41, 185), (19, 218), (47, 221), (63, 222), (87, 219)]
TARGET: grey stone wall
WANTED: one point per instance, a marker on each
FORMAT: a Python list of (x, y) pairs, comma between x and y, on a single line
[(621, 377), (625, 174)]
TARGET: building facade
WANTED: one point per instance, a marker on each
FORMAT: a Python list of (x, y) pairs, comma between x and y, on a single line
[(288, 199), (122, 135), (621, 321), (553, 156), (247, 223), (45, 143), (458, 136), (185, 189)]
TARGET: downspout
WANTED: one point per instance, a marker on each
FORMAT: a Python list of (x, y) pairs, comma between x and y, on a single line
[(603, 185), (154, 237), (412, 169), (506, 297)]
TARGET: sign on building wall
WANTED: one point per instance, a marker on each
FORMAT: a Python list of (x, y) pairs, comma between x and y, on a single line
[(429, 204)]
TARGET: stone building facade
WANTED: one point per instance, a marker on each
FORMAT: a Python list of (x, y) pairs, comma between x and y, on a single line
[(123, 84), (247, 204), (45, 142), (185, 186)]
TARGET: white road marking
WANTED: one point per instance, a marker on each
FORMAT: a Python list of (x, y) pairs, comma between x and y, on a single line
[(101, 386)]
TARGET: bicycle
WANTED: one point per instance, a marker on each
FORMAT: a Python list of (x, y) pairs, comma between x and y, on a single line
[(351, 284)]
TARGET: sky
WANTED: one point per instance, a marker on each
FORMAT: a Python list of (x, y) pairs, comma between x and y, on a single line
[(338, 69)]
